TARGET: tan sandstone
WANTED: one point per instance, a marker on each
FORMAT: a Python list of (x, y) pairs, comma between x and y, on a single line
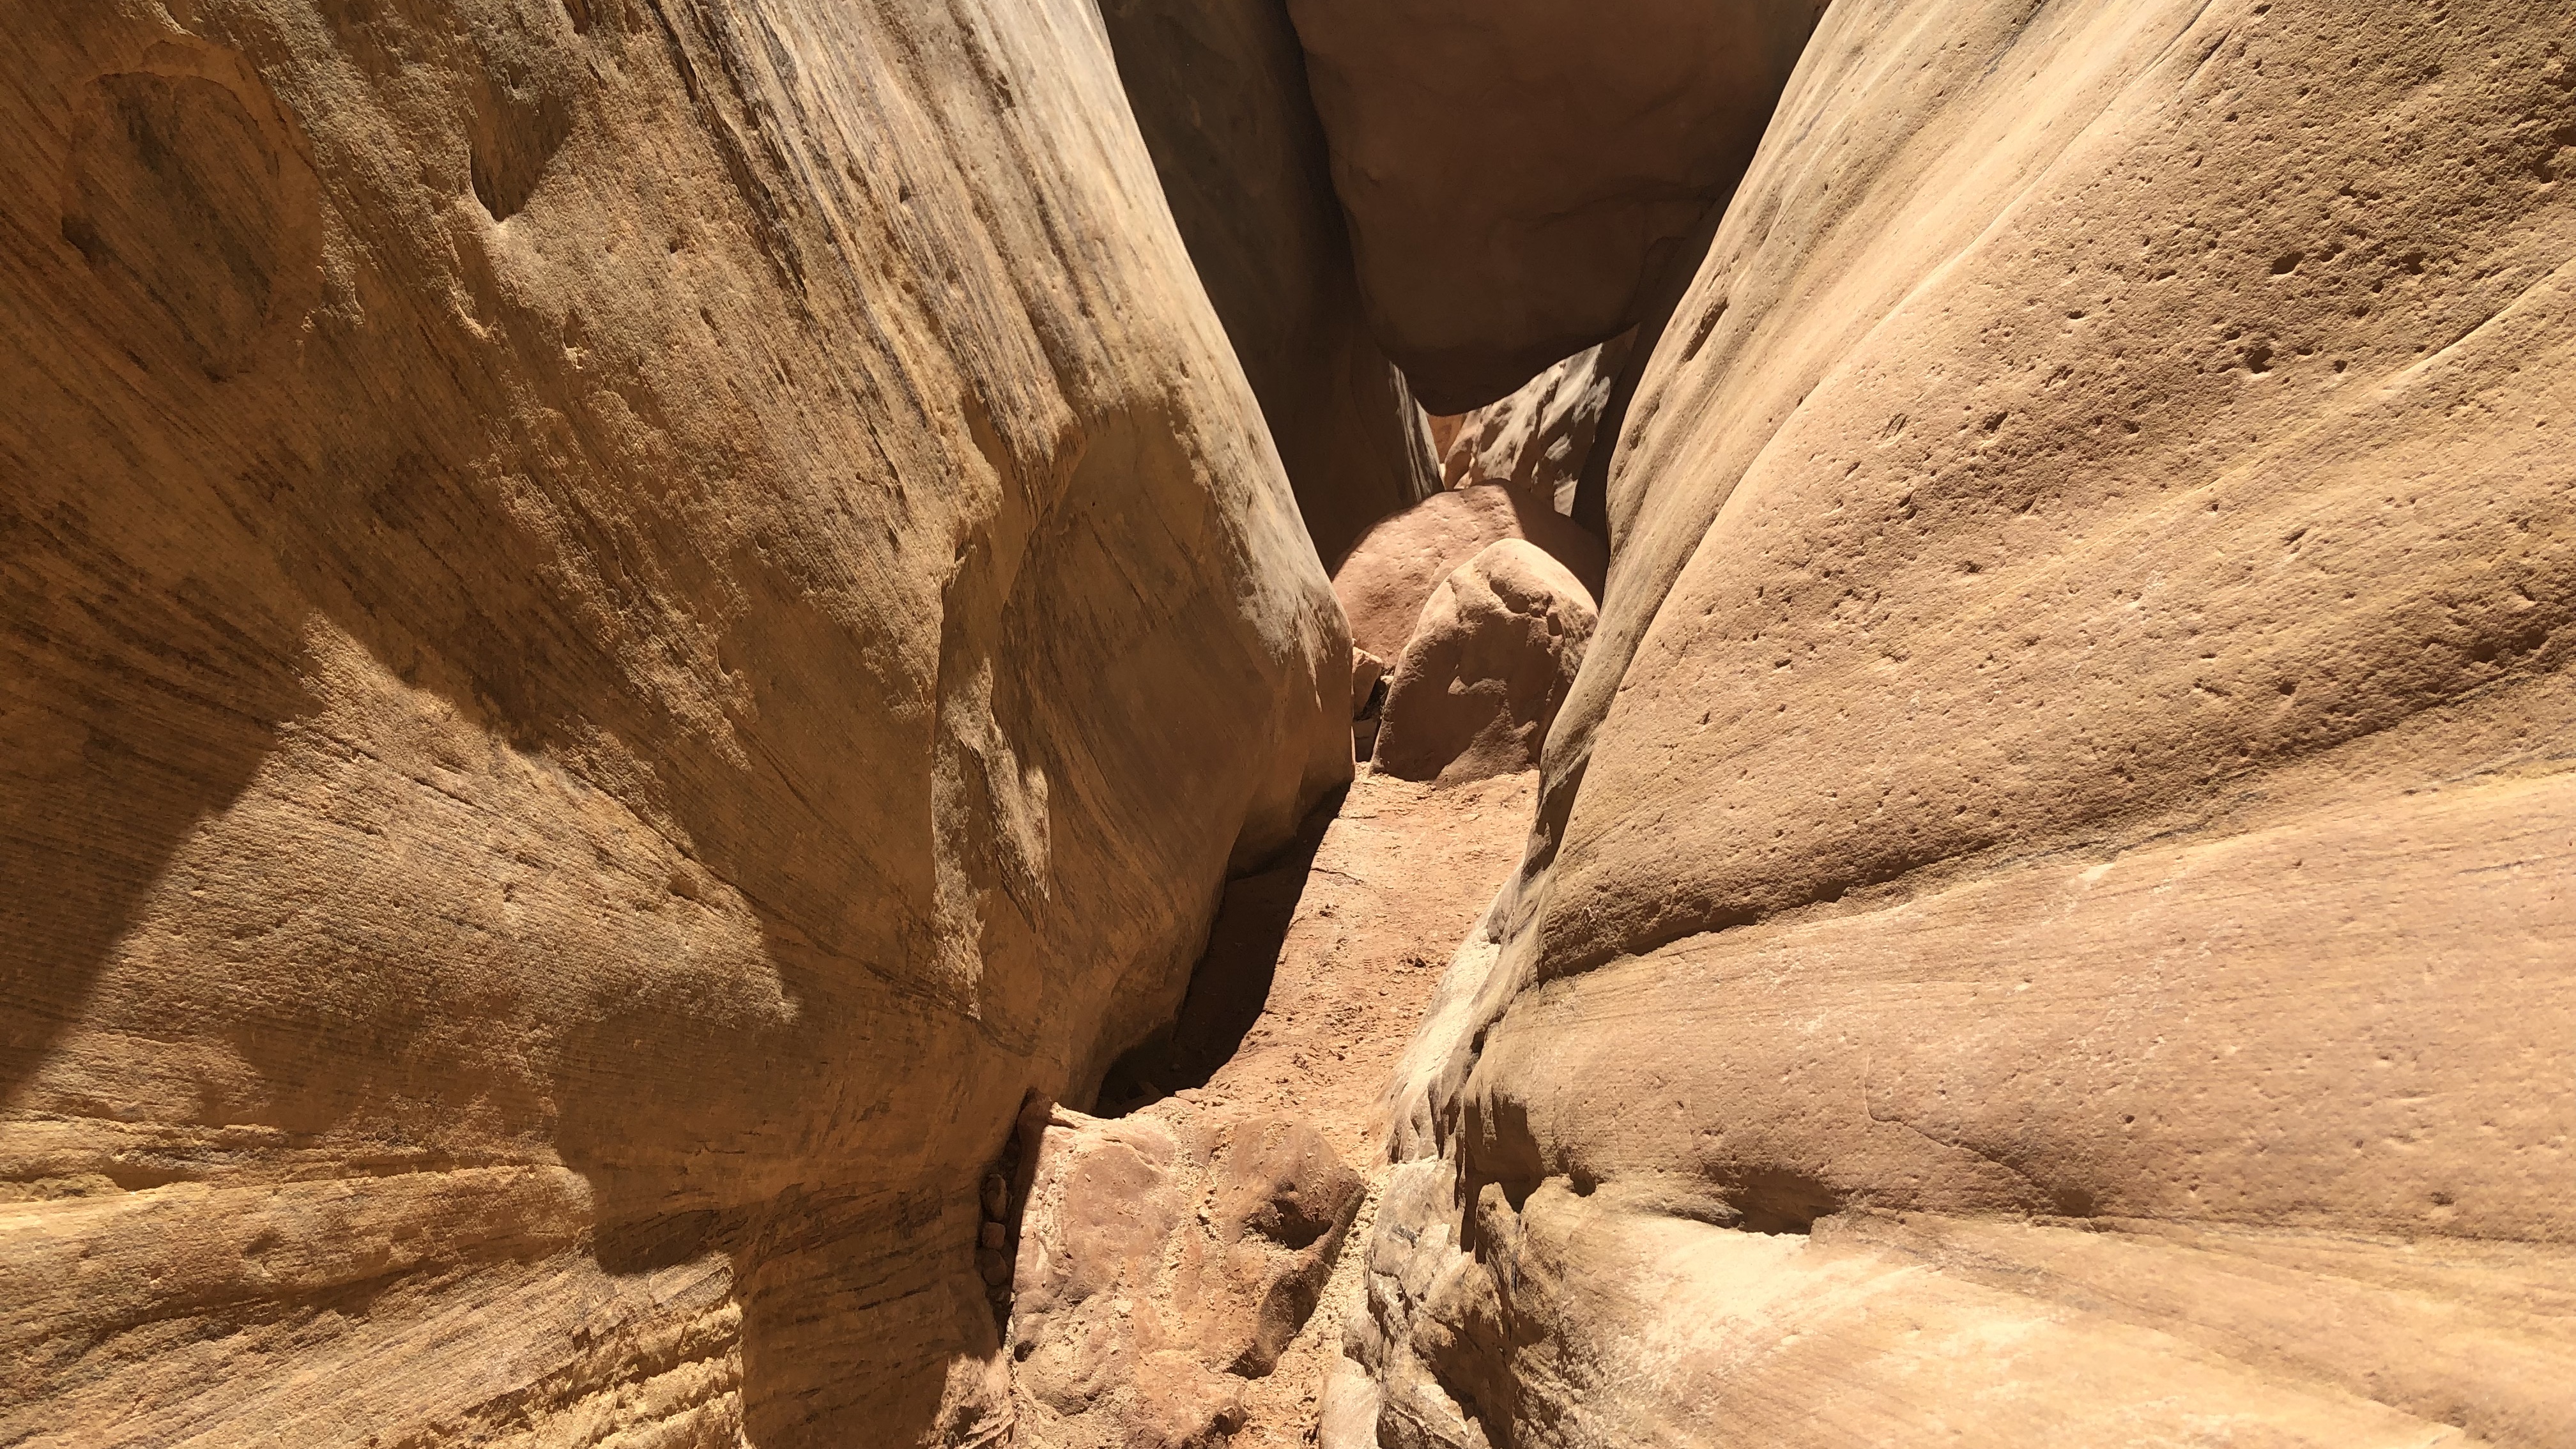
[(1219, 89), (1165, 1259), (619, 622), (1398, 564), (2048, 920), (1537, 441), (1519, 177), (1487, 668), (1316, 975)]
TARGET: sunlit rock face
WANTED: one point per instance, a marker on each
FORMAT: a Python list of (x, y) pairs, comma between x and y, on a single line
[(619, 623), (1539, 440), (2049, 885)]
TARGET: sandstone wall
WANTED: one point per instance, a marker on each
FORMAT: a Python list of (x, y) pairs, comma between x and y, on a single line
[(619, 621), (1520, 177), (1219, 88), (2048, 920)]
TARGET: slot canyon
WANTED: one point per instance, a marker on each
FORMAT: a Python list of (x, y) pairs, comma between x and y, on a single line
[(1374, 724)]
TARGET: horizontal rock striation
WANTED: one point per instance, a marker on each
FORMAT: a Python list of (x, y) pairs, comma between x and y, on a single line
[(619, 622)]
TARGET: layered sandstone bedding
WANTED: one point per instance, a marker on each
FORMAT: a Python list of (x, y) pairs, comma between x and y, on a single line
[(623, 622), (765, 722)]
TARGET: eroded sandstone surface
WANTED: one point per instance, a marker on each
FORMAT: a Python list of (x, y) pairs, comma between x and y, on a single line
[(634, 635), (1165, 1259), (1538, 440), (621, 622), (2047, 921), (1487, 668), (1402, 560)]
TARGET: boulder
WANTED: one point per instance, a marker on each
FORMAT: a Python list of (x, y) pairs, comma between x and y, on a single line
[(1369, 683), (1536, 441), (610, 640), (1219, 90), (1393, 570), (1518, 182), (2049, 885), (1487, 667), (1164, 1259), (1367, 673)]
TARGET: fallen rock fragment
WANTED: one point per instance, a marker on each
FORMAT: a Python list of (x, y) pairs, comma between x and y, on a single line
[(1165, 1258), (1489, 663), (1368, 701), (1367, 672)]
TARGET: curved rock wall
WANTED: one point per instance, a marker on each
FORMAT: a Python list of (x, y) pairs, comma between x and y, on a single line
[(621, 621), (2049, 888), (1520, 177), (1219, 88)]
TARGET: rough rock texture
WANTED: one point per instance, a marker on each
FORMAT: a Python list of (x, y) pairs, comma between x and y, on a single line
[(1315, 977), (1535, 442), (1518, 179), (2049, 920), (617, 623), (1395, 568), (1487, 667), (1219, 89), (1164, 1259)]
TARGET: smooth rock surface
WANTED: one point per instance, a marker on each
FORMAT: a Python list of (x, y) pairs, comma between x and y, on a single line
[(1219, 89), (1487, 667), (1519, 177), (2048, 923), (617, 624), (1394, 569)]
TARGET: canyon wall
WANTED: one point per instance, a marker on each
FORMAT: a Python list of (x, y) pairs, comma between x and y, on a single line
[(1519, 178), (2048, 918), (620, 621), (1219, 89)]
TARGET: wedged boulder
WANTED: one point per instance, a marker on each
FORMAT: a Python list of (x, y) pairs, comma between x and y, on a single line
[(1536, 441), (1393, 570), (1219, 90), (1367, 673), (2049, 885), (1164, 1258), (1487, 667), (610, 641), (1369, 682), (1517, 183)]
